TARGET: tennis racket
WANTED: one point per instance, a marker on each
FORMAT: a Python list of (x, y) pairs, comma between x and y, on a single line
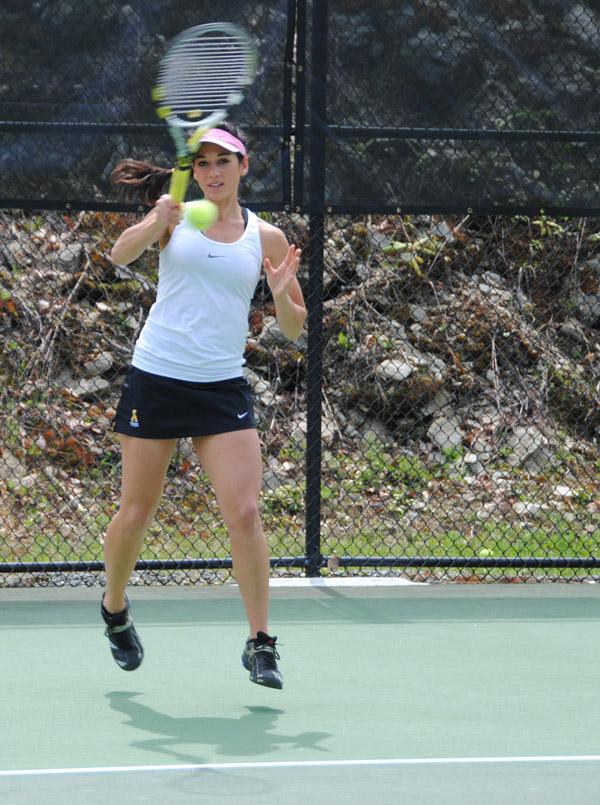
[(205, 71)]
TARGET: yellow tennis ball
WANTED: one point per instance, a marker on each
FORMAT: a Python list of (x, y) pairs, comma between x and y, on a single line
[(201, 214)]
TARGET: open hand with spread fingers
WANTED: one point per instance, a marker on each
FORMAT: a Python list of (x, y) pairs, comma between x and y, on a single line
[(281, 279)]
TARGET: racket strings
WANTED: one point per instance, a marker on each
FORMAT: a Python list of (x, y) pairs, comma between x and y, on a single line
[(205, 71), (206, 74), (203, 102)]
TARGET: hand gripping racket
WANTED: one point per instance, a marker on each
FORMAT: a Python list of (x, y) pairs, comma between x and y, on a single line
[(204, 72)]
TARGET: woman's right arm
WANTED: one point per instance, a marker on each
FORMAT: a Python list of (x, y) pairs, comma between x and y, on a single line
[(154, 227)]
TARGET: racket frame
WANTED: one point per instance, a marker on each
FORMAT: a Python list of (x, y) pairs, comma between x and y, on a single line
[(186, 134)]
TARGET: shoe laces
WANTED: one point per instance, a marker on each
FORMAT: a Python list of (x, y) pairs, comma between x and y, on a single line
[(268, 652)]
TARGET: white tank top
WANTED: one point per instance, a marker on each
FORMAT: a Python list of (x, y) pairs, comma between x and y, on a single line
[(196, 329)]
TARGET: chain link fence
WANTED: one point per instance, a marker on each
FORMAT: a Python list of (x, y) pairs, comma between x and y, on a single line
[(75, 83), (462, 390), (460, 395), (441, 416)]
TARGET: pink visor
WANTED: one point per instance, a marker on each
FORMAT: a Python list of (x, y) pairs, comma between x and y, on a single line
[(225, 140)]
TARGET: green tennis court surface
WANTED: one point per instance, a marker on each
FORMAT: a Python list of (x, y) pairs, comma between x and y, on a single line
[(420, 694)]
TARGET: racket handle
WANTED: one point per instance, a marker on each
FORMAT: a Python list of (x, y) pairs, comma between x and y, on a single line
[(179, 183)]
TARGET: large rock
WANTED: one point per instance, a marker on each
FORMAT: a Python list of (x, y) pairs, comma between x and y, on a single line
[(99, 364), (10, 466), (529, 448), (394, 369), (587, 306), (87, 387), (445, 432)]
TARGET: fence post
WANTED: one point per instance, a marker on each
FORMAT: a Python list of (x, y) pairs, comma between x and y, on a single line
[(318, 113)]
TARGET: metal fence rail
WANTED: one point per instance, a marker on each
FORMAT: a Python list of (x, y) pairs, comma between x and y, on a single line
[(441, 415)]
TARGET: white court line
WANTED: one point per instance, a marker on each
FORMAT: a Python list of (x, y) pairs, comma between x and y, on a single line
[(343, 581), (292, 764)]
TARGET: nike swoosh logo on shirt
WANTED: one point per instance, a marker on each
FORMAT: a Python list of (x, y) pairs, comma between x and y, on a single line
[(212, 256), (241, 416)]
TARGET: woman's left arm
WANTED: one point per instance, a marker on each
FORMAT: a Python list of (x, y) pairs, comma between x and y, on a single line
[(285, 289)]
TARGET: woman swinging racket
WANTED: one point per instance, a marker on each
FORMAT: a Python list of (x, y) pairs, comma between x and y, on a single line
[(186, 381)]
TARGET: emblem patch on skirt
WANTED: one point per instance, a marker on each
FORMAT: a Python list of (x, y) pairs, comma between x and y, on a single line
[(134, 422)]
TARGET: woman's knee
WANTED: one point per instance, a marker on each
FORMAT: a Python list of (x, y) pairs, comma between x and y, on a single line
[(134, 518), (243, 516)]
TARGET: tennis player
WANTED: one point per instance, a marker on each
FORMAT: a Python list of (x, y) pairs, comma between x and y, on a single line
[(186, 380)]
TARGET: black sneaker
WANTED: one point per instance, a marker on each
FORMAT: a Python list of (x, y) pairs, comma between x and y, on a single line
[(260, 658), (125, 644)]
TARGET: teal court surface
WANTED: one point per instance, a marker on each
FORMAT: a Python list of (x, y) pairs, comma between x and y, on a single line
[(393, 694)]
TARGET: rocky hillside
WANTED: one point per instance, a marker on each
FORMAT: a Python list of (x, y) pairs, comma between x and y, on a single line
[(461, 390)]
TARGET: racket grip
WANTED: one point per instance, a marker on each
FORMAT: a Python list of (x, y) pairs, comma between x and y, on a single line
[(179, 183)]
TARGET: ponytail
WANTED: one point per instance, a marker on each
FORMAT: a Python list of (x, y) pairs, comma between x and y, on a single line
[(141, 179)]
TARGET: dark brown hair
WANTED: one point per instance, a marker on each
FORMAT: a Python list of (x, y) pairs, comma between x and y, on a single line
[(147, 182), (141, 180)]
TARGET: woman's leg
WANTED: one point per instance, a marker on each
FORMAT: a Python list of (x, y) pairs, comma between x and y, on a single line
[(144, 468), (233, 464)]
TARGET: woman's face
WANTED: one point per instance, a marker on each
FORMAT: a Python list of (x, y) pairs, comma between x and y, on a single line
[(218, 172)]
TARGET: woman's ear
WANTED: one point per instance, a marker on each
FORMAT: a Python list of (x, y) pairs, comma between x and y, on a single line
[(244, 165)]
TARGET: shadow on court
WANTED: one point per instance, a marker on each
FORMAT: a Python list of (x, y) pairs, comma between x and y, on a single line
[(252, 734)]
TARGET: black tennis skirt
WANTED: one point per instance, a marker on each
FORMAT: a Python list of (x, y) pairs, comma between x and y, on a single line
[(155, 407)]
